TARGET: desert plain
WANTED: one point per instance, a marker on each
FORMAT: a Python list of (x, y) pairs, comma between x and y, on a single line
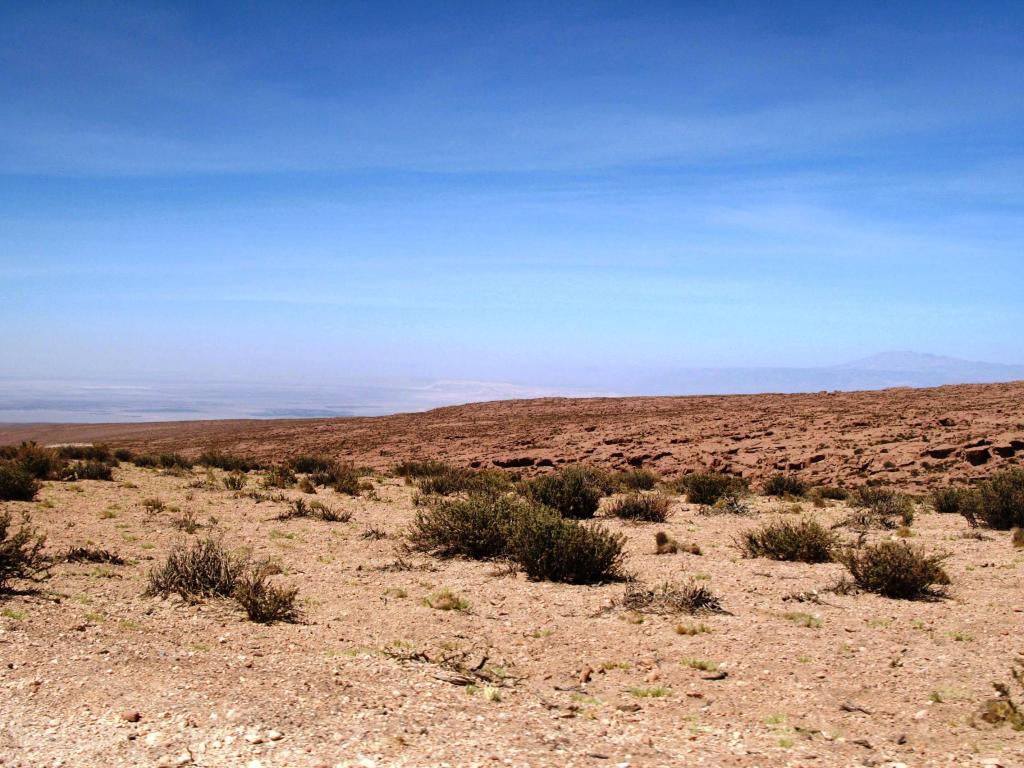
[(403, 658)]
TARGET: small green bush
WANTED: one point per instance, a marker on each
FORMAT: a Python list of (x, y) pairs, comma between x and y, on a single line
[(16, 484), (552, 548), (574, 491), (477, 527), (646, 507), (897, 569), (709, 487), (263, 602), (784, 485), (204, 569), (804, 541), (21, 552), (997, 502)]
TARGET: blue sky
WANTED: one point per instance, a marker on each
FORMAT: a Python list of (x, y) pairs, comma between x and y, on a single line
[(507, 191)]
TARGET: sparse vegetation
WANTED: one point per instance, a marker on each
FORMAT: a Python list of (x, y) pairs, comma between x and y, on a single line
[(574, 491), (212, 457), (461, 480), (87, 470), (805, 541), (235, 481), (784, 485), (315, 509), (21, 552), (709, 487), (279, 476), (646, 507), (880, 508), (635, 480), (92, 555), (896, 569)]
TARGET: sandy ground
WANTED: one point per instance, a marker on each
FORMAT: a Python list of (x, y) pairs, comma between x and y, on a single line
[(872, 681), (914, 438)]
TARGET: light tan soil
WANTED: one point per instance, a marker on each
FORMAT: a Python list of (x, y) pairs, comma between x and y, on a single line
[(878, 682)]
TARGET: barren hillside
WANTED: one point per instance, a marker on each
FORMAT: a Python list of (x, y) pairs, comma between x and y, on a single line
[(911, 437)]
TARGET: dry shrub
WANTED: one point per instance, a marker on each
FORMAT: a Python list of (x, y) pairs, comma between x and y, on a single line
[(574, 491), (35, 460), (416, 468), (784, 485), (709, 487), (21, 552), (315, 509), (92, 555), (263, 602), (235, 481), (279, 476), (343, 477), (446, 600), (87, 470), (477, 527), (635, 480), (1017, 538), (832, 492), (97, 452), (173, 461), (666, 545), (551, 548), (692, 597), (897, 569), (462, 480), (1005, 709), (212, 457), (649, 508), (880, 508), (203, 569), (123, 454), (947, 501), (997, 502), (16, 484), (805, 541)]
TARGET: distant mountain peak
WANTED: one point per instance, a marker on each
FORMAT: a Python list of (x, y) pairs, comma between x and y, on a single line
[(902, 360)]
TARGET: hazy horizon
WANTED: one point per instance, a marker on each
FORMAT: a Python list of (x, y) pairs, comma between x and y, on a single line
[(585, 198), (139, 400)]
